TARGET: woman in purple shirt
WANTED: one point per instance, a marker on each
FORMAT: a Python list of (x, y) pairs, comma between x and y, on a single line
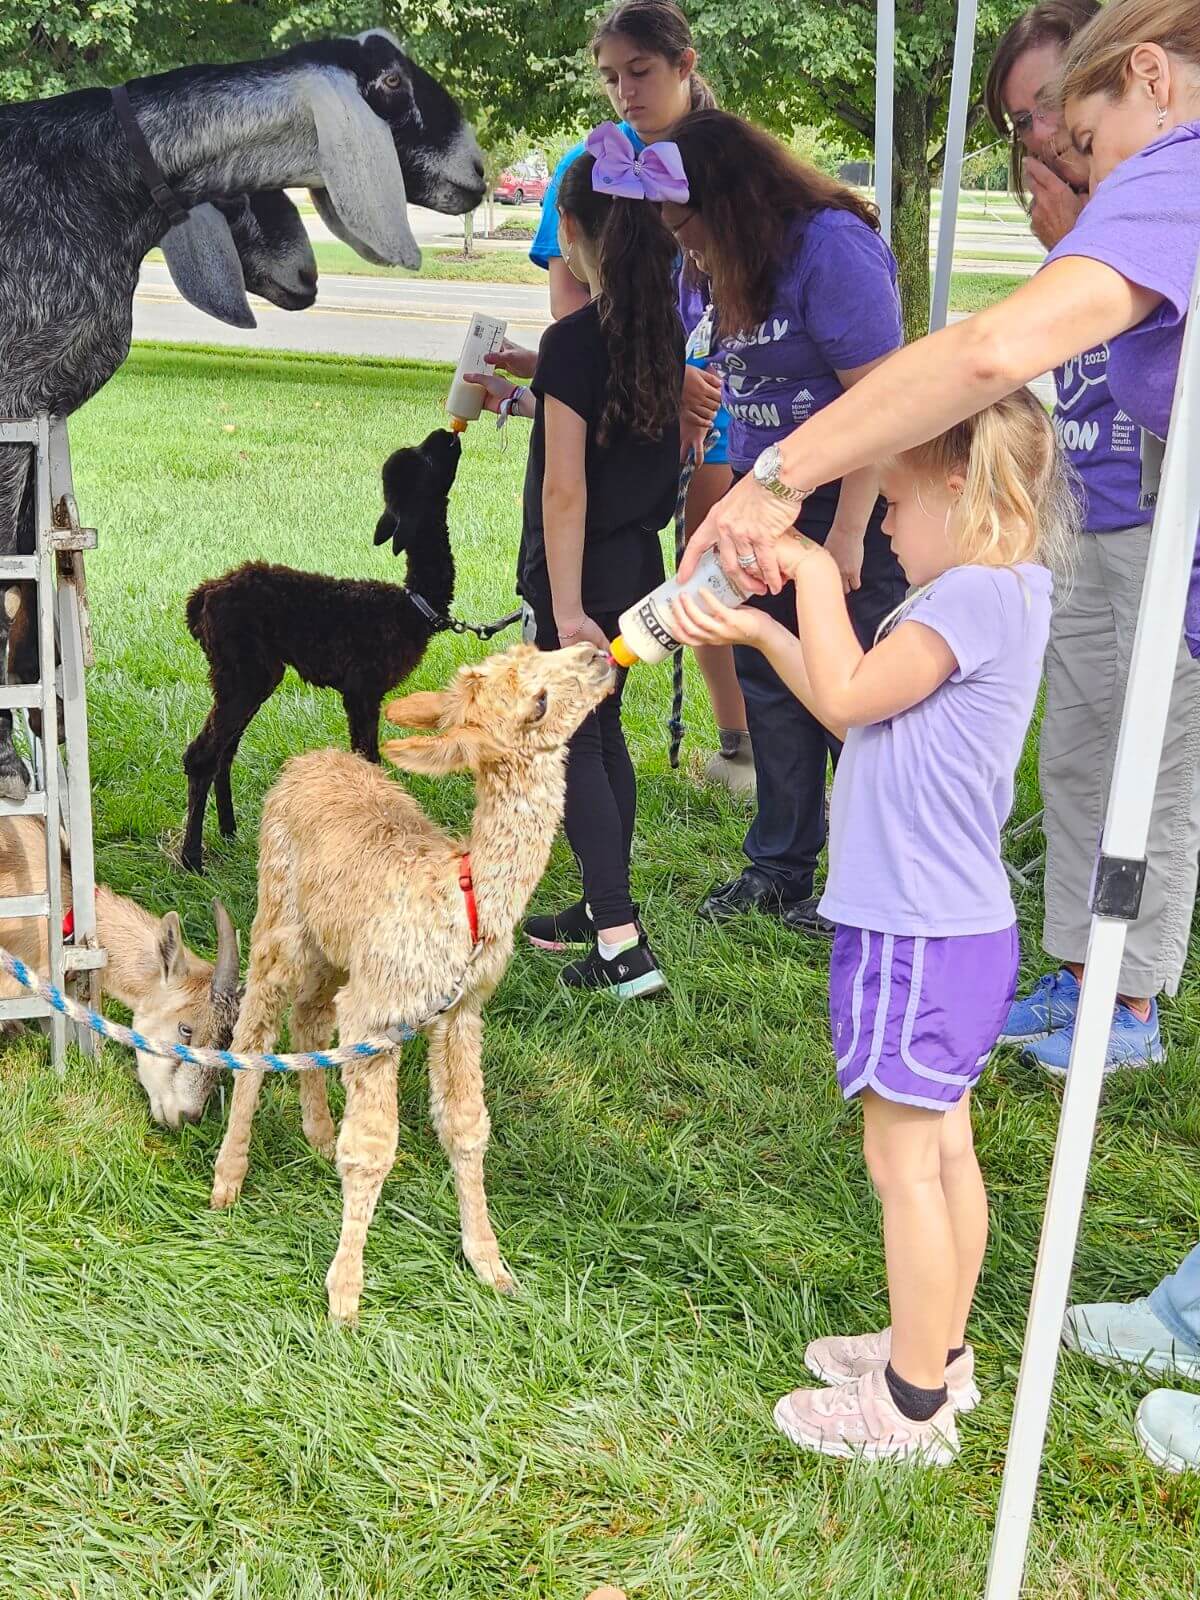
[(1122, 276), (804, 292), (1091, 638)]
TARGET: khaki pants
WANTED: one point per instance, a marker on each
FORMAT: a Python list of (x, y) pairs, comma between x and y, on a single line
[(1087, 664)]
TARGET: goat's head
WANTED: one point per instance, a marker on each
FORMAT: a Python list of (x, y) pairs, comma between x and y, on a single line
[(255, 242), (273, 247), (416, 484), (190, 1000), (518, 703), (387, 134)]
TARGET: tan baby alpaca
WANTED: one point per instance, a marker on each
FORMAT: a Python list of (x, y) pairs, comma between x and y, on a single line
[(362, 923)]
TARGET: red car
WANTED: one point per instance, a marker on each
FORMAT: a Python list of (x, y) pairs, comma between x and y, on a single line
[(515, 188)]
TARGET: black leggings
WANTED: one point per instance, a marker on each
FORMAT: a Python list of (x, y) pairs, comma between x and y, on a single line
[(601, 792)]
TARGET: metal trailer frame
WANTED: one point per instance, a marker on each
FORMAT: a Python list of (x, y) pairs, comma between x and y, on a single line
[(60, 793)]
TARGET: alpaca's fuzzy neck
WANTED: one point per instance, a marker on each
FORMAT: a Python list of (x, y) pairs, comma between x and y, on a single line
[(430, 570), (518, 808)]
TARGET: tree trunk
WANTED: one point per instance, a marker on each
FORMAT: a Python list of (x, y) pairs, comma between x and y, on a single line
[(910, 208), (468, 232)]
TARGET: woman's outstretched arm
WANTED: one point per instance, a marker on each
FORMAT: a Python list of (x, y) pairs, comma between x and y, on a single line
[(919, 392)]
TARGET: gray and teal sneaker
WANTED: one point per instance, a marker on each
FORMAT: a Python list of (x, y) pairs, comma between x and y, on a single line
[(631, 974)]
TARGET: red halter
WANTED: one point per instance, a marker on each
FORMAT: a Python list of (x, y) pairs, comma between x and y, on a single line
[(467, 884)]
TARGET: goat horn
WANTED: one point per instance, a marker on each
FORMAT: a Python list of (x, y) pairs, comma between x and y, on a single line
[(225, 971)]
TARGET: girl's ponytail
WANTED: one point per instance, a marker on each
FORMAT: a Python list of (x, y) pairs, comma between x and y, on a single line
[(636, 256)]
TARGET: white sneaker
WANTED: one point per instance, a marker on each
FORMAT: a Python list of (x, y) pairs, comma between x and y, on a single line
[(860, 1419), (837, 1361)]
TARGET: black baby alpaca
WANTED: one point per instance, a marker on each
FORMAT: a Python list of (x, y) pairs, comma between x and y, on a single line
[(359, 637)]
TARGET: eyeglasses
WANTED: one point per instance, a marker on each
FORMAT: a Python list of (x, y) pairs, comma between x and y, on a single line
[(1021, 122)]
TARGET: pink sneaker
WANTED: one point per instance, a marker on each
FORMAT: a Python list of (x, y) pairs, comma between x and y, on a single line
[(860, 1419), (837, 1361)]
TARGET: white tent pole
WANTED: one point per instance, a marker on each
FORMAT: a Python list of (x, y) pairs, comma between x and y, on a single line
[(1115, 897), (885, 96), (956, 138)]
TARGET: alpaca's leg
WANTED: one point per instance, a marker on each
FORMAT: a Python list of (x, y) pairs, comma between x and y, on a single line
[(272, 980), (312, 1029), (237, 694), (366, 1149), (223, 793), (461, 1119), (362, 715), (197, 764), (233, 1158)]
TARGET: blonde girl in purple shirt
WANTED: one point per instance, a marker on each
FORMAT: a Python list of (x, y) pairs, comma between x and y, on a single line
[(924, 966), (1131, 107)]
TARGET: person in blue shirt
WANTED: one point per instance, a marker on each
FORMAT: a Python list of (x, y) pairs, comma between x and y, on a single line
[(646, 60)]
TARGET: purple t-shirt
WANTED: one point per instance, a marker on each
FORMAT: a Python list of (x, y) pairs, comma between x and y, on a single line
[(836, 306), (919, 800), (1144, 222), (1101, 442)]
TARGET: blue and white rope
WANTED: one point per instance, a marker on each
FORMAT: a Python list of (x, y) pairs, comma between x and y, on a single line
[(310, 1061)]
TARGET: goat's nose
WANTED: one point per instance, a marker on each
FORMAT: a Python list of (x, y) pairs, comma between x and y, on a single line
[(308, 279), (191, 1117)]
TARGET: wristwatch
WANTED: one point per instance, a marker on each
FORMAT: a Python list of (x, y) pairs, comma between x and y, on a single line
[(766, 474)]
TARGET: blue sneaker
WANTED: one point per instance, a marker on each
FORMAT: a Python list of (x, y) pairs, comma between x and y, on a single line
[(1051, 1004), (1131, 1043)]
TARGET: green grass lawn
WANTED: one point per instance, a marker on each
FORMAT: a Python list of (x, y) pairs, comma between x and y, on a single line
[(678, 1187), (975, 291)]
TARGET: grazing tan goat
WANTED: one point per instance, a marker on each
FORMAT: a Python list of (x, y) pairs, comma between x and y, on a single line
[(363, 920), (172, 993)]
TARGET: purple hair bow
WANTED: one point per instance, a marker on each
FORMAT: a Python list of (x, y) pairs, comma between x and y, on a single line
[(654, 173)]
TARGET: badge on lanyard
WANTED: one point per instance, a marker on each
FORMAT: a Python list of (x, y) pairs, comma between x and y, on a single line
[(699, 344)]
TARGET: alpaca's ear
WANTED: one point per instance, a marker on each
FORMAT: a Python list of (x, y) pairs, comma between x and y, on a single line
[(424, 709), (358, 161), (457, 750), (203, 261)]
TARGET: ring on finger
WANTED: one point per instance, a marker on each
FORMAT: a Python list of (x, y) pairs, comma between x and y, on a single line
[(747, 561)]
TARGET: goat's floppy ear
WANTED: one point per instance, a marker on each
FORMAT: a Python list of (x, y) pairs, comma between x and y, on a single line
[(324, 209), (456, 750), (170, 950), (424, 709), (358, 160), (203, 260)]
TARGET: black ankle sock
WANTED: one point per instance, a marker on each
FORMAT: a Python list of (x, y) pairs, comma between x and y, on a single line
[(918, 1405), (953, 1355)]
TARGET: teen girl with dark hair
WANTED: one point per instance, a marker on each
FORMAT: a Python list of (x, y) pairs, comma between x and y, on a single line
[(601, 483)]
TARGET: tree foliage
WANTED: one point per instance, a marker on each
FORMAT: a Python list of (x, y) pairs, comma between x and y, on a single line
[(521, 66)]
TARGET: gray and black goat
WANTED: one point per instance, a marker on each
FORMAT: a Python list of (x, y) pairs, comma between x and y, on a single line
[(354, 120)]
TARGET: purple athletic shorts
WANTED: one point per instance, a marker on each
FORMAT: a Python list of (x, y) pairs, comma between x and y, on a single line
[(916, 1019)]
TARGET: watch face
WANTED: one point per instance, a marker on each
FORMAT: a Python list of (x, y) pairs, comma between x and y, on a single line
[(767, 465)]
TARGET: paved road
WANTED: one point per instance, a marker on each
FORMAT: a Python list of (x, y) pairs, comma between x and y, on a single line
[(415, 317)]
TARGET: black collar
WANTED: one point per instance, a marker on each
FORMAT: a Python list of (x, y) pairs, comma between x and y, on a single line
[(164, 197)]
